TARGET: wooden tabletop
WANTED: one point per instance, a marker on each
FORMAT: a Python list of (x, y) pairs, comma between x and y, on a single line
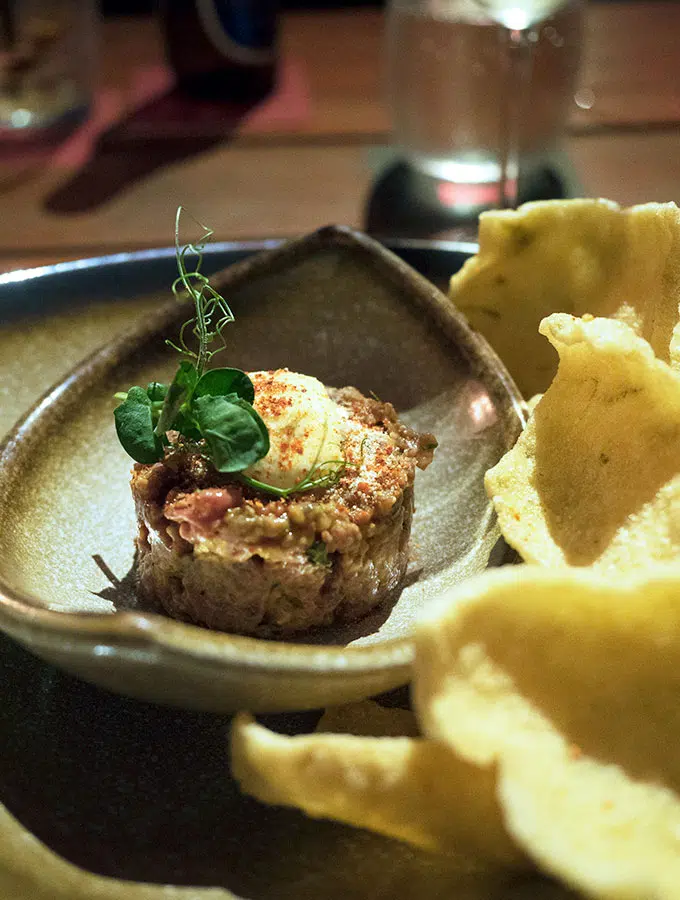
[(309, 155)]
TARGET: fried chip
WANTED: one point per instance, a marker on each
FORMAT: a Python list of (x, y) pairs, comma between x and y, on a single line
[(618, 837), (573, 256), (549, 701), (370, 719), (568, 685), (413, 790), (595, 477)]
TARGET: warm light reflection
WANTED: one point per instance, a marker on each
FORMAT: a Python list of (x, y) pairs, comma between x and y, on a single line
[(20, 118), (482, 411), (585, 98), (470, 195), (515, 19)]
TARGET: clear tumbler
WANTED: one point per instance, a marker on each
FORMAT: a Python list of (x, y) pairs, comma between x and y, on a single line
[(47, 64), (448, 84)]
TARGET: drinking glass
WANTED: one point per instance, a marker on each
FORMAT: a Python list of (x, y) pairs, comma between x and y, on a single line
[(476, 86), (47, 58)]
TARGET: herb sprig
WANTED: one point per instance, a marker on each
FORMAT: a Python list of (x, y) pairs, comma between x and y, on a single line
[(208, 302), (320, 476), (209, 408)]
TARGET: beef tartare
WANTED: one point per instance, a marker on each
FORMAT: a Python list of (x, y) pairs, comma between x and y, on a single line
[(215, 550)]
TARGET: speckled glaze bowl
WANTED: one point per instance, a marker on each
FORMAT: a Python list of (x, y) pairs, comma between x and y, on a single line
[(334, 304)]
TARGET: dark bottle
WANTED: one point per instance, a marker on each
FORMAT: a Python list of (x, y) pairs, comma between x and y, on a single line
[(222, 49)]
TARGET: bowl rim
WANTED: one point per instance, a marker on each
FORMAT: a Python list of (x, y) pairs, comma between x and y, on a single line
[(216, 248), (138, 631)]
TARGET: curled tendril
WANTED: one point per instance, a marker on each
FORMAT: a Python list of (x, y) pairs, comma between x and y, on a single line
[(212, 314), (314, 479), (212, 310), (324, 475), (321, 475)]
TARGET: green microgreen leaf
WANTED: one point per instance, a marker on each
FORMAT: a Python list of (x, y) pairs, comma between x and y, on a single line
[(156, 391), (235, 435), (222, 382), (318, 554), (178, 393), (186, 425), (134, 427)]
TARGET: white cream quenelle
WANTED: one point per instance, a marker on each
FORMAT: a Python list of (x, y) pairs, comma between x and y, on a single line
[(305, 426)]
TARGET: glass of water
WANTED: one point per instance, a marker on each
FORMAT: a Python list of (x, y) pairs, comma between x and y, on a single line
[(47, 58), (479, 86)]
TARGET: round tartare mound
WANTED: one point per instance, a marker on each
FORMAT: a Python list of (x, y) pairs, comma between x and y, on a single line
[(219, 553)]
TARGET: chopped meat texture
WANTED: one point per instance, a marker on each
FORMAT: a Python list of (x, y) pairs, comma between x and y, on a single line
[(214, 551)]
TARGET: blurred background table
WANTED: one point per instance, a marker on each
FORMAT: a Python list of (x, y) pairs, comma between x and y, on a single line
[(308, 155)]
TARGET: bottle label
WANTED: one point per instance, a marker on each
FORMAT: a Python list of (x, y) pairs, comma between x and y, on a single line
[(242, 30)]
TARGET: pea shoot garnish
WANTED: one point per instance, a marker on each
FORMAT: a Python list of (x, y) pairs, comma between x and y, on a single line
[(210, 410), (320, 476)]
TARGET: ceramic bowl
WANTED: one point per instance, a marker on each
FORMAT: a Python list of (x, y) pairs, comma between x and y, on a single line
[(334, 304)]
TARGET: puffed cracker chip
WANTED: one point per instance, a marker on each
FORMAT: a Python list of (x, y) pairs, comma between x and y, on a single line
[(595, 477), (413, 790), (567, 685), (619, 837), (573, 256), (370, 719)]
